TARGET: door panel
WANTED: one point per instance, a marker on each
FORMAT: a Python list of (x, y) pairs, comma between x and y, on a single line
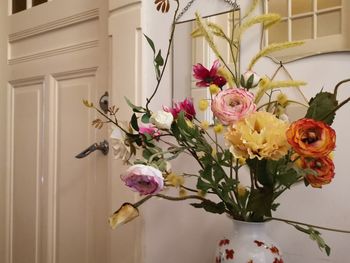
[(26, 171), (74, 178), (56, 204)]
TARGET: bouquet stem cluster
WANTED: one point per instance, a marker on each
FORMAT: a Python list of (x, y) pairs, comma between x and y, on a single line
[(249, 116)]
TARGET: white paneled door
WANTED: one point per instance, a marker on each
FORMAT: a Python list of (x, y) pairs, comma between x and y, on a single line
[(55, 205)]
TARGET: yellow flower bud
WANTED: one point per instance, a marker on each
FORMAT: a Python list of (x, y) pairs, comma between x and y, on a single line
[(264, 82), (203, 104), (214, 89), (218, 128), (189, 123), (126, 213), (182, 192), (204, 125), (175, 180), (241, 190), (201, 193), (282, 99), (213, 153)]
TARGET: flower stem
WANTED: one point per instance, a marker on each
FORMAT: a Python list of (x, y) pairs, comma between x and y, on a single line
[(173, 198), (308, 225), (167, 55), (338, 85)]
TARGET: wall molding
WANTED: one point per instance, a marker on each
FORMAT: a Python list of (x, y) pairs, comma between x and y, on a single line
[(54, 52), (54, 25), (27, 81), (74, 74)]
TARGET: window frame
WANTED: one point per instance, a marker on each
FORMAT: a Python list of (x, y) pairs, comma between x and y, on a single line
[(315, 45), (29, 5)]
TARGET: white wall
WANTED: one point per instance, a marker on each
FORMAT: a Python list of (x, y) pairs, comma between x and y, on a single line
[(175, 232)]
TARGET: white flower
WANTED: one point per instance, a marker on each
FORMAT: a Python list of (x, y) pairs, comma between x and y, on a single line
[(120, 149), (284, 117), (248, 74), (162, 119)]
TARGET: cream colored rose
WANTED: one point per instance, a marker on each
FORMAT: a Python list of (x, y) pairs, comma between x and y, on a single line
[(162, 119)]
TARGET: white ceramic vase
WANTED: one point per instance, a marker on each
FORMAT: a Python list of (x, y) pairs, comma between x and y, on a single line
[(249, 243)]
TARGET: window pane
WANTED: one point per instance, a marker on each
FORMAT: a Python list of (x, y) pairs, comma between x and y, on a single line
[(302, 28), (38, 2), (322, 4), (329, 24), (278, 33), (279, 7), (302, 6), (18, 5)]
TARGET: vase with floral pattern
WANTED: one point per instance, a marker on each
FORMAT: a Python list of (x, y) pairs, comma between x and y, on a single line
[(248, 243)]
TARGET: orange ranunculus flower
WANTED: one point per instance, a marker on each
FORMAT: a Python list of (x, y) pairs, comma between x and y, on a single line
[(311, 138), (324, 167)]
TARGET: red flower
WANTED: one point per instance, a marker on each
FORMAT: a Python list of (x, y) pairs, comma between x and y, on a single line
[(278, 260), (208, 77), (311, 138), (229, 253), (186, 106), (324, 167), (217, 260)]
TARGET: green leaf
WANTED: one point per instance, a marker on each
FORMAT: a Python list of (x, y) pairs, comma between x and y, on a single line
[(250, 82), (242, 81), (219, 173), (211, 207), (159, 59), (321, 106), (150, 42), (203, 185), (134, 107), (258, 167), (260, 202), (145, 118), (133, 122), (288, 177), (316, 236)]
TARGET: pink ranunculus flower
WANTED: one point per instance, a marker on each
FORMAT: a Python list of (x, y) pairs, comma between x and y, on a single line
[(231, 105), (186, 106), (150, 129), (143, 179), (207, 77)]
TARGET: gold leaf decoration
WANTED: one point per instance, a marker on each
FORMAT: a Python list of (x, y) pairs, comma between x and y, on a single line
[(162, 5)]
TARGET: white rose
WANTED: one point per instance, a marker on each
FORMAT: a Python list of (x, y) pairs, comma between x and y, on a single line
[(248, 74), (162, 119)]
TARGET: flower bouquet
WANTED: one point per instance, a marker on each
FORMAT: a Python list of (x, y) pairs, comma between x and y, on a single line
[(250, 131)]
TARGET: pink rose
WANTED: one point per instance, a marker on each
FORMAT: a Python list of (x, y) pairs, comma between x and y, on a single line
[(143, 179), (186, 106), (149, 128), (231, 105)]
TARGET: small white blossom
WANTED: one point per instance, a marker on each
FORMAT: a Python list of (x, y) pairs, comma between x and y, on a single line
[(162, 119)]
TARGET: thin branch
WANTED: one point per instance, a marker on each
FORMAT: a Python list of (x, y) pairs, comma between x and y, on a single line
[(308, 225), (338, 85), (167, 55)]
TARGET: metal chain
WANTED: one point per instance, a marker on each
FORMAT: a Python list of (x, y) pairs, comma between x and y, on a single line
[(233, 3)]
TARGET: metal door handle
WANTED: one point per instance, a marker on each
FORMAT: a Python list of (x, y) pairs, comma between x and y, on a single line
[(102, 146)]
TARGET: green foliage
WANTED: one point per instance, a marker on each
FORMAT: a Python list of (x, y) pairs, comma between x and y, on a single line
[(260, 202), (322, 107), (316, 236), (135, 108), (158, 60), (209, 206)]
